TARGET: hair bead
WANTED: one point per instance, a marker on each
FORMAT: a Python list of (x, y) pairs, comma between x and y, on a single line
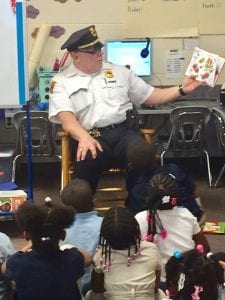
[(128, 261), (198, 290), (163, 233), (177, 254), (200, 248)]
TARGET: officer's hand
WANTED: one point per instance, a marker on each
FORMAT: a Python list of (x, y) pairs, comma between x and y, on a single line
[(87, 143), (189, 84)]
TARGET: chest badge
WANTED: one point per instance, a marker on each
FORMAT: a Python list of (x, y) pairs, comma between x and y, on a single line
[(108, 73)]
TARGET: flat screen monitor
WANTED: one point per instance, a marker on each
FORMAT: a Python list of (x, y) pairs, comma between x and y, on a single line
[(135, 53)]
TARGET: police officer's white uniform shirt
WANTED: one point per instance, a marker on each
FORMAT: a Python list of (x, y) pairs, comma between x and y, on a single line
[(99, 99)]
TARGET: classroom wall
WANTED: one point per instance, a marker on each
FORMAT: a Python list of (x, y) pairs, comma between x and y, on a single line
[(109, 18)]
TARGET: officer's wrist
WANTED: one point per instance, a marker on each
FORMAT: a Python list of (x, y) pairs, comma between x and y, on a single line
[(181, 90)]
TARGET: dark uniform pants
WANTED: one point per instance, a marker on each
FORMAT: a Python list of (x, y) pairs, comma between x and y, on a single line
[(115, 142)]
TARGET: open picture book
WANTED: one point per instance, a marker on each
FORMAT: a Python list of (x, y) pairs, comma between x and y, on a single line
[(205, 66)]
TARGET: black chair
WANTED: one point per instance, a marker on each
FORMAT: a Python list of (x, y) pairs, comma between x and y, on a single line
[(219, 119), (43, 143), (188, 125), (7, 152)]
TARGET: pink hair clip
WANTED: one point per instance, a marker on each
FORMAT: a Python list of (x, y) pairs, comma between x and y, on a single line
[(163, 233), (195, 295), (173, 201)]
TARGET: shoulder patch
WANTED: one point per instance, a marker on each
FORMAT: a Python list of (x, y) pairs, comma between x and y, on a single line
[(51, 86)]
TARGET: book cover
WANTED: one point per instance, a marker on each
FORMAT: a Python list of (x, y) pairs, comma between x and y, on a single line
[(10, 200), (214, 227), (205, 66)]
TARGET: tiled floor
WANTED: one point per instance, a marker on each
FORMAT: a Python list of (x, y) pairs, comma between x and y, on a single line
[(46, 182)]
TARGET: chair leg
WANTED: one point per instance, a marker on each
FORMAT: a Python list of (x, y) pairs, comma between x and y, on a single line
[(162, 157), (65, 158), (14, 167), (148, 134), (208, 167), (219, 177)]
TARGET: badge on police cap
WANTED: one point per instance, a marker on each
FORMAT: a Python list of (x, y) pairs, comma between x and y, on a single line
[(93, 31)]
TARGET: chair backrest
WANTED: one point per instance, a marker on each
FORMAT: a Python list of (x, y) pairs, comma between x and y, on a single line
[(42, 142), (219, 119), (188, 127)]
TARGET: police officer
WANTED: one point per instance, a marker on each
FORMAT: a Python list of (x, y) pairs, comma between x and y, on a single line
[(91, 99)]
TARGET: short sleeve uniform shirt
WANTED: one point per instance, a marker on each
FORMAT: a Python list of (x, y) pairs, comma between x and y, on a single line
[(99, 98)]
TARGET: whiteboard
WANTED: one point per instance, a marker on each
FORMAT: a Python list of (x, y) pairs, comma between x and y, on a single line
[(13, 75)]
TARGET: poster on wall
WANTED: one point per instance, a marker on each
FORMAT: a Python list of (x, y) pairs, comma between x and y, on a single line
[(161, 18), (13, 75), (211, 16)]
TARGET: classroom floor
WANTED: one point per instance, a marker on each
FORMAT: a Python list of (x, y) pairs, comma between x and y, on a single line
[(46, 182)]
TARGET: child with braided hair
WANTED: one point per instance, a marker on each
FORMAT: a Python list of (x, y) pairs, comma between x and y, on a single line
[(191, 275), (131, 267), (45, 272), (166, 224), (143, 164)]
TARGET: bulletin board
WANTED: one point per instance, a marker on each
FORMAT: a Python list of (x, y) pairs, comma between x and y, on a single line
[(211, 17), (161, 18), (174, 18), (13, 75)]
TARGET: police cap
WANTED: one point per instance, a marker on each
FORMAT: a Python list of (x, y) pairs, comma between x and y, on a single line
[(85, 39)]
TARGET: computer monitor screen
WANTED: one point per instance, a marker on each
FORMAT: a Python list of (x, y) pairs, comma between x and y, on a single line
[(135, 53)]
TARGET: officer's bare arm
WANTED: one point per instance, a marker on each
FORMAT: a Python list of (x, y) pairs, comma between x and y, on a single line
[(166, 95)]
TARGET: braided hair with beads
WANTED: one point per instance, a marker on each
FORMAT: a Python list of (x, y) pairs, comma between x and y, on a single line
[(119, 231), (199, 277), (162, 194)]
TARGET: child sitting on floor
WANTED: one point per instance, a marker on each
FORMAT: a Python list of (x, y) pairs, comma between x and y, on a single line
[(45, 272), (191, 275), (130, 267), (6, 249), (84, 233), (143, 164), (166, 224)]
